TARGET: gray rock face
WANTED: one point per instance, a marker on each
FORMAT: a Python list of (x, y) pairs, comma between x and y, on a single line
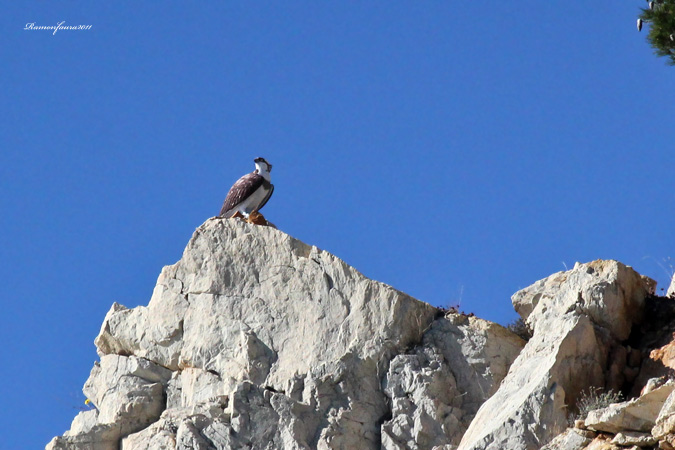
[(128, 393), (639, 414), (665, 422), (628, 438), (608, 292), (577, 318), (243, 298), (572, 439), (436, 391), (257, 340)]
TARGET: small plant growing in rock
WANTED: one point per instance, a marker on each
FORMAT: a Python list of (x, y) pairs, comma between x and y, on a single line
[(596, 398), (520, 328)]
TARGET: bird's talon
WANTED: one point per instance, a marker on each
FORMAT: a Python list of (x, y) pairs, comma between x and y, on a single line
[(256, 218)]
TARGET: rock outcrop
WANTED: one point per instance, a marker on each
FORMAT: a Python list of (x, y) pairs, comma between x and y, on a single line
[(645, 422), (579, 319), (638, 415), (257, 340)]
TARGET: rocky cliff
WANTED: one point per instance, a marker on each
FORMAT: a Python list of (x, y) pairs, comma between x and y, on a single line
[(257, 340)]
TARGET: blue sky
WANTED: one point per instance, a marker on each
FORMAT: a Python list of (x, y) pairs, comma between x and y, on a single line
[(457, 151)]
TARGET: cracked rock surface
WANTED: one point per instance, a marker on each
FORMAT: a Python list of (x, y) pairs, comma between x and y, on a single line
[(257, 340), (580, 319)]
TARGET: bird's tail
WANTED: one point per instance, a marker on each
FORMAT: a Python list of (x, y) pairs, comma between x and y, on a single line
[(225, 214)]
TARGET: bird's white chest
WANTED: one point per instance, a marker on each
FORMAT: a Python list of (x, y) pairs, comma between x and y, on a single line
[(252, 202)]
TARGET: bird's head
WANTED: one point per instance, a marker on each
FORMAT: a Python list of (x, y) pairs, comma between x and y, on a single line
[(262, 166)]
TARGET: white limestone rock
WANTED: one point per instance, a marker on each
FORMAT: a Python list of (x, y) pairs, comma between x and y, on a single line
[(639, 414), (201, 426), (665, 422), (425, 402), (252, 303), (190, 386), (571, 439), (576, 317), (628, 438), (128, 395), (254, 339), (610, 293), (127, 391), (543, 291), (86, 433), (294, 342), (529, 407), (250, 417), (478, 352), (671, 289), (436, 390)]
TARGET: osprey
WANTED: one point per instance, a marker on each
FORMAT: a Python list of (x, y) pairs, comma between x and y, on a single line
[(250, 192)]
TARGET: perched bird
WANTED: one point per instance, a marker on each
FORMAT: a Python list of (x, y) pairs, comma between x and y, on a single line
[(639, 24), (250, 192), (651, 5)]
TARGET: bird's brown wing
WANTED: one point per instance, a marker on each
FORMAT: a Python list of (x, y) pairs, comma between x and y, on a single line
[(244, 187)]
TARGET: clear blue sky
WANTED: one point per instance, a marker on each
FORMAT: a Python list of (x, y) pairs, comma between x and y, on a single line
[(458, 151)]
